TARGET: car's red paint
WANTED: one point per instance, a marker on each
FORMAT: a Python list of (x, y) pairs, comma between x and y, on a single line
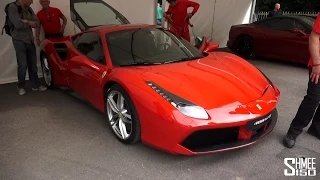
[(233, 92), (287, 45)]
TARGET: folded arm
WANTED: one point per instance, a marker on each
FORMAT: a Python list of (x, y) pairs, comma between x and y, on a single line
[(15, 18), (195, 6), (34, 22)]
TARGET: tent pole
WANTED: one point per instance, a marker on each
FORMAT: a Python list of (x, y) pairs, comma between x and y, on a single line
[(253, 7)]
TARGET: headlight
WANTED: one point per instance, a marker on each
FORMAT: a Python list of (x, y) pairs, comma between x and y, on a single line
[(185, 107)]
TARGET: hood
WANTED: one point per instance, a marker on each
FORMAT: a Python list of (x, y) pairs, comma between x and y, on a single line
[(220, 79)]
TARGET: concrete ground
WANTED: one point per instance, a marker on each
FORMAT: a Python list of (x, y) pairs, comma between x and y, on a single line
[(52, 135)]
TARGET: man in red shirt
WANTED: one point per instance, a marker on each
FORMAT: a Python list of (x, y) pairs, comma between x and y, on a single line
[(178, 13), (309, 109), (49, 18)]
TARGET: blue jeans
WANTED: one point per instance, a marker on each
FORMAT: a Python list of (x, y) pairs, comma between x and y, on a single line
[(159, 21), (27, 59)]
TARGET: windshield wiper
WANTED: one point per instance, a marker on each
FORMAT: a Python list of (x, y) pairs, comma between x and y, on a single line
[(183, 59), (139, 64)]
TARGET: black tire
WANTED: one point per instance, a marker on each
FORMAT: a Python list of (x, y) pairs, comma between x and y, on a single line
[(135, 135), (245, 47), (51, 83)]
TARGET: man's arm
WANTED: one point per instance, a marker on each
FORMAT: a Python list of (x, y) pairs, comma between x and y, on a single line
[(15, 18), (195, 6), (314, 45), (64, 19), (34, 22), (168, 12), (37, 32)]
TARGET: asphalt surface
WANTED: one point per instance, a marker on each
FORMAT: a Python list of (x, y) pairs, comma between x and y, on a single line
[(52, 135)]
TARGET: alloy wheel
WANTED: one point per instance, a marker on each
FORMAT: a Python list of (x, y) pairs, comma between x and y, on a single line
[(119, 115), (46, 71)]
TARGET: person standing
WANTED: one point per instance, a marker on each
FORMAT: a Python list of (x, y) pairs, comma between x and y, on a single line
[(23, 19), (49, 18), (159, 14), (309, 108), (276, 11), (178, 13)]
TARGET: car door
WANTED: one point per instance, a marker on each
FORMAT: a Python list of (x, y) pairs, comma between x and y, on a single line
[(88, 66), (281, 40)]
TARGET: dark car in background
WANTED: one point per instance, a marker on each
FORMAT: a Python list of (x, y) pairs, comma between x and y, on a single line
[(283, 38)]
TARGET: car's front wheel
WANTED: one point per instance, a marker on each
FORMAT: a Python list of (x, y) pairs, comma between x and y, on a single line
[(122, 115), (245, 47), (46, 71)]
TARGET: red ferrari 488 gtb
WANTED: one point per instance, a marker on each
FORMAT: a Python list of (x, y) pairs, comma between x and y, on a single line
[(157, 88)]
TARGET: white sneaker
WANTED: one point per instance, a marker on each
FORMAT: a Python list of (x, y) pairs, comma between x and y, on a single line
[(40, 88), (21, 91)]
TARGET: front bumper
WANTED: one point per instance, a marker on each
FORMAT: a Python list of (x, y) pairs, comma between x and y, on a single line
[(222, 139)]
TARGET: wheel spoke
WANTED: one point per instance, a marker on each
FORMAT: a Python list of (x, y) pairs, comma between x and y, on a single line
[(127, 115), (123, 129), (120, 101), (125, 120), (114, 121), (113, 105)]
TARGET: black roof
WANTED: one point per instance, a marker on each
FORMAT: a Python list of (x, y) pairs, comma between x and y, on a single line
[(288, 16)]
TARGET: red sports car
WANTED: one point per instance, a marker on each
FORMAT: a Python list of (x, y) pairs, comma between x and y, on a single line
[(283, 38), (157, 88)]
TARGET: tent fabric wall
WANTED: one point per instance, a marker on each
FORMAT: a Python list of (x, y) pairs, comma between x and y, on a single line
[(8, 64), (213, 20)]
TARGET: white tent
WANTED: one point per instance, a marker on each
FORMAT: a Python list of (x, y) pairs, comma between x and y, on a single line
[(213, 20)]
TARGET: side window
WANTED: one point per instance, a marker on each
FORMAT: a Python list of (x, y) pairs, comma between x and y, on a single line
[(283, 25), (265, 23), (298, 25), (89, 44)]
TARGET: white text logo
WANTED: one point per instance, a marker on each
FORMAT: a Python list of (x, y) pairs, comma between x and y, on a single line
[(300, 167)]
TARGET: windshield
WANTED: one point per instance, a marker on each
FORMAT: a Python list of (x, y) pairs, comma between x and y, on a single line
[(148, 46)]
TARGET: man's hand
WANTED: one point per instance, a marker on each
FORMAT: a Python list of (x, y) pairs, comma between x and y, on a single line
[(315, 74), (189, 16), (38, 41), (62, 30), (24, 21)]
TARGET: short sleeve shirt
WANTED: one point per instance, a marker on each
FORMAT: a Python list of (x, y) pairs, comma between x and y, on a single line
[(50, 21), (316, 29)]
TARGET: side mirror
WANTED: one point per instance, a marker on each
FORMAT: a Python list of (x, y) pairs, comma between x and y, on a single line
[(203, 45), (298, 32), (211, 46)]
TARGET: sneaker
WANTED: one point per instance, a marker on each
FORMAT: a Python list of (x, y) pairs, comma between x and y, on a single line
[(40, 88), (21, 91), (289, 141)]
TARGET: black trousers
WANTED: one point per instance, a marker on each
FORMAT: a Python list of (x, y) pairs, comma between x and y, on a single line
[(308, 111)]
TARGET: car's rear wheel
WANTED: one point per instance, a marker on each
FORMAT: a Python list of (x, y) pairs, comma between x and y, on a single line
[(245, 47), (122, 115), (46, 71)]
